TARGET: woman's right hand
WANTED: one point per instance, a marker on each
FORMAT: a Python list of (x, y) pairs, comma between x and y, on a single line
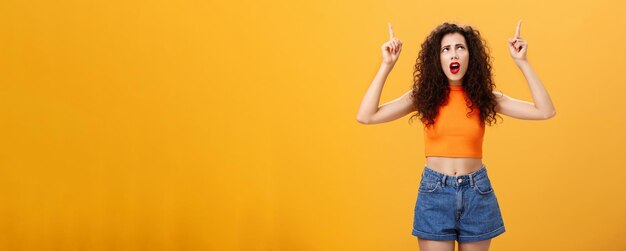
[(392, 48)]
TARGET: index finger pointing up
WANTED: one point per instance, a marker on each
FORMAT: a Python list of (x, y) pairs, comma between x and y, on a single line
[(390, 31), (519, 24)]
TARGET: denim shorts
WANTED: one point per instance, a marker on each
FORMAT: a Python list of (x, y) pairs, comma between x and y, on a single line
[(462, 208)]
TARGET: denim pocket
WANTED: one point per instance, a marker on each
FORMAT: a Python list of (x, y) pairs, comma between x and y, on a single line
[(428, 184), (483, 186)]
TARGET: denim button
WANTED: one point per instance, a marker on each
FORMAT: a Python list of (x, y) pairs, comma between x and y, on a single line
[(460, 180)]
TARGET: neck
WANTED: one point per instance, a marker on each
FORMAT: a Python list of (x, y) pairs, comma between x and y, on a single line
[(455, 82)]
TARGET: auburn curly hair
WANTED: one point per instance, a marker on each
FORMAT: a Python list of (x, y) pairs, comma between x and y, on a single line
[(430, 84)]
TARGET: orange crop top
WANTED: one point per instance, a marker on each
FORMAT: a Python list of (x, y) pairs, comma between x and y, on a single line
[(454, 134)]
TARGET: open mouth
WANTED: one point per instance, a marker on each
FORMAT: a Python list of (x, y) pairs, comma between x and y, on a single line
[(455, 67)]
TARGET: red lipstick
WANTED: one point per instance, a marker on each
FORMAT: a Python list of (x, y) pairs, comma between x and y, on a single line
[(455, 67)]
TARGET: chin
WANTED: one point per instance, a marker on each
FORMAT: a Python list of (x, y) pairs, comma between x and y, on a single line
[(458, 77)]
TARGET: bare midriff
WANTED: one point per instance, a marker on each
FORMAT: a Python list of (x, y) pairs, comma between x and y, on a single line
[(454, 166)]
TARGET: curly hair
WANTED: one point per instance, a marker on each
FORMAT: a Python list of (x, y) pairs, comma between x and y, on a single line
[(430, 84)]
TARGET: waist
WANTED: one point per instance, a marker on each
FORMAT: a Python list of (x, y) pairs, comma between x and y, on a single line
[(456, 180), (453, 166)]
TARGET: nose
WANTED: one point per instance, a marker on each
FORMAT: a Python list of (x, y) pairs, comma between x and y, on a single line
[(455, 56)]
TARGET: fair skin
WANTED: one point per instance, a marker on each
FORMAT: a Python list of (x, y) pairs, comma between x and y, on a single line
[(454, 49)]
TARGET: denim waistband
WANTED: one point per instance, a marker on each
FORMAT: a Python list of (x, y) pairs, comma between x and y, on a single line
[(457, 180)]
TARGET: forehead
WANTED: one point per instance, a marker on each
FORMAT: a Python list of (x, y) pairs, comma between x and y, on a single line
[(452, 39)]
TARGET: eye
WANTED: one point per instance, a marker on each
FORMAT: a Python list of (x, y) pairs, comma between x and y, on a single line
[(460, 47), (444, 49)]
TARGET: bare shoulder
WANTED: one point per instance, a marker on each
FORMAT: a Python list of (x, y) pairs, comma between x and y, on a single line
[(408, 96), (498, 94), (501, 98)]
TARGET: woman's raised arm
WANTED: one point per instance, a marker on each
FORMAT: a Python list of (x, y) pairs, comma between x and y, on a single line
[(542, 107), (370, 112)]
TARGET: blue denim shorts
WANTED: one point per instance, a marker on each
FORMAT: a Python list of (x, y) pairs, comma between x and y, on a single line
[(462, 208)]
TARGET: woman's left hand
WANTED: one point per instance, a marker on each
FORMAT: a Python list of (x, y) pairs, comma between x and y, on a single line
[(518, 46)]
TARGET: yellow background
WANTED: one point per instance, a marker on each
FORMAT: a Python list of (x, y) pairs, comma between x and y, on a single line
[(216, 125)]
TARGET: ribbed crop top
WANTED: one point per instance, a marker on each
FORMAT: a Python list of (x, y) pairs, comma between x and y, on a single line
[(454, 134)]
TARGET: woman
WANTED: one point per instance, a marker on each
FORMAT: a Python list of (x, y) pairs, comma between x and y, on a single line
[(453, 96)]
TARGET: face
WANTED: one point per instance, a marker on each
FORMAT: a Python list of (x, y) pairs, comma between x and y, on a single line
[(454, 57)]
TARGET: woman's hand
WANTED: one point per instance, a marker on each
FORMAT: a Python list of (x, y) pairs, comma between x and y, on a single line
[(518, 46), (391, 49)]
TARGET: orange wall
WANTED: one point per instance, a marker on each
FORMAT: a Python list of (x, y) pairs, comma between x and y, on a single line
[(195, 125)]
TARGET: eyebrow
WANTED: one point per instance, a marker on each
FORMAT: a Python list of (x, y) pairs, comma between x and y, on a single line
[(449, 45)]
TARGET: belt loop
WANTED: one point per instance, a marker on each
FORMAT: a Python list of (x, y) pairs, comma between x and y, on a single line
[(444, 180), (471, 179)]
